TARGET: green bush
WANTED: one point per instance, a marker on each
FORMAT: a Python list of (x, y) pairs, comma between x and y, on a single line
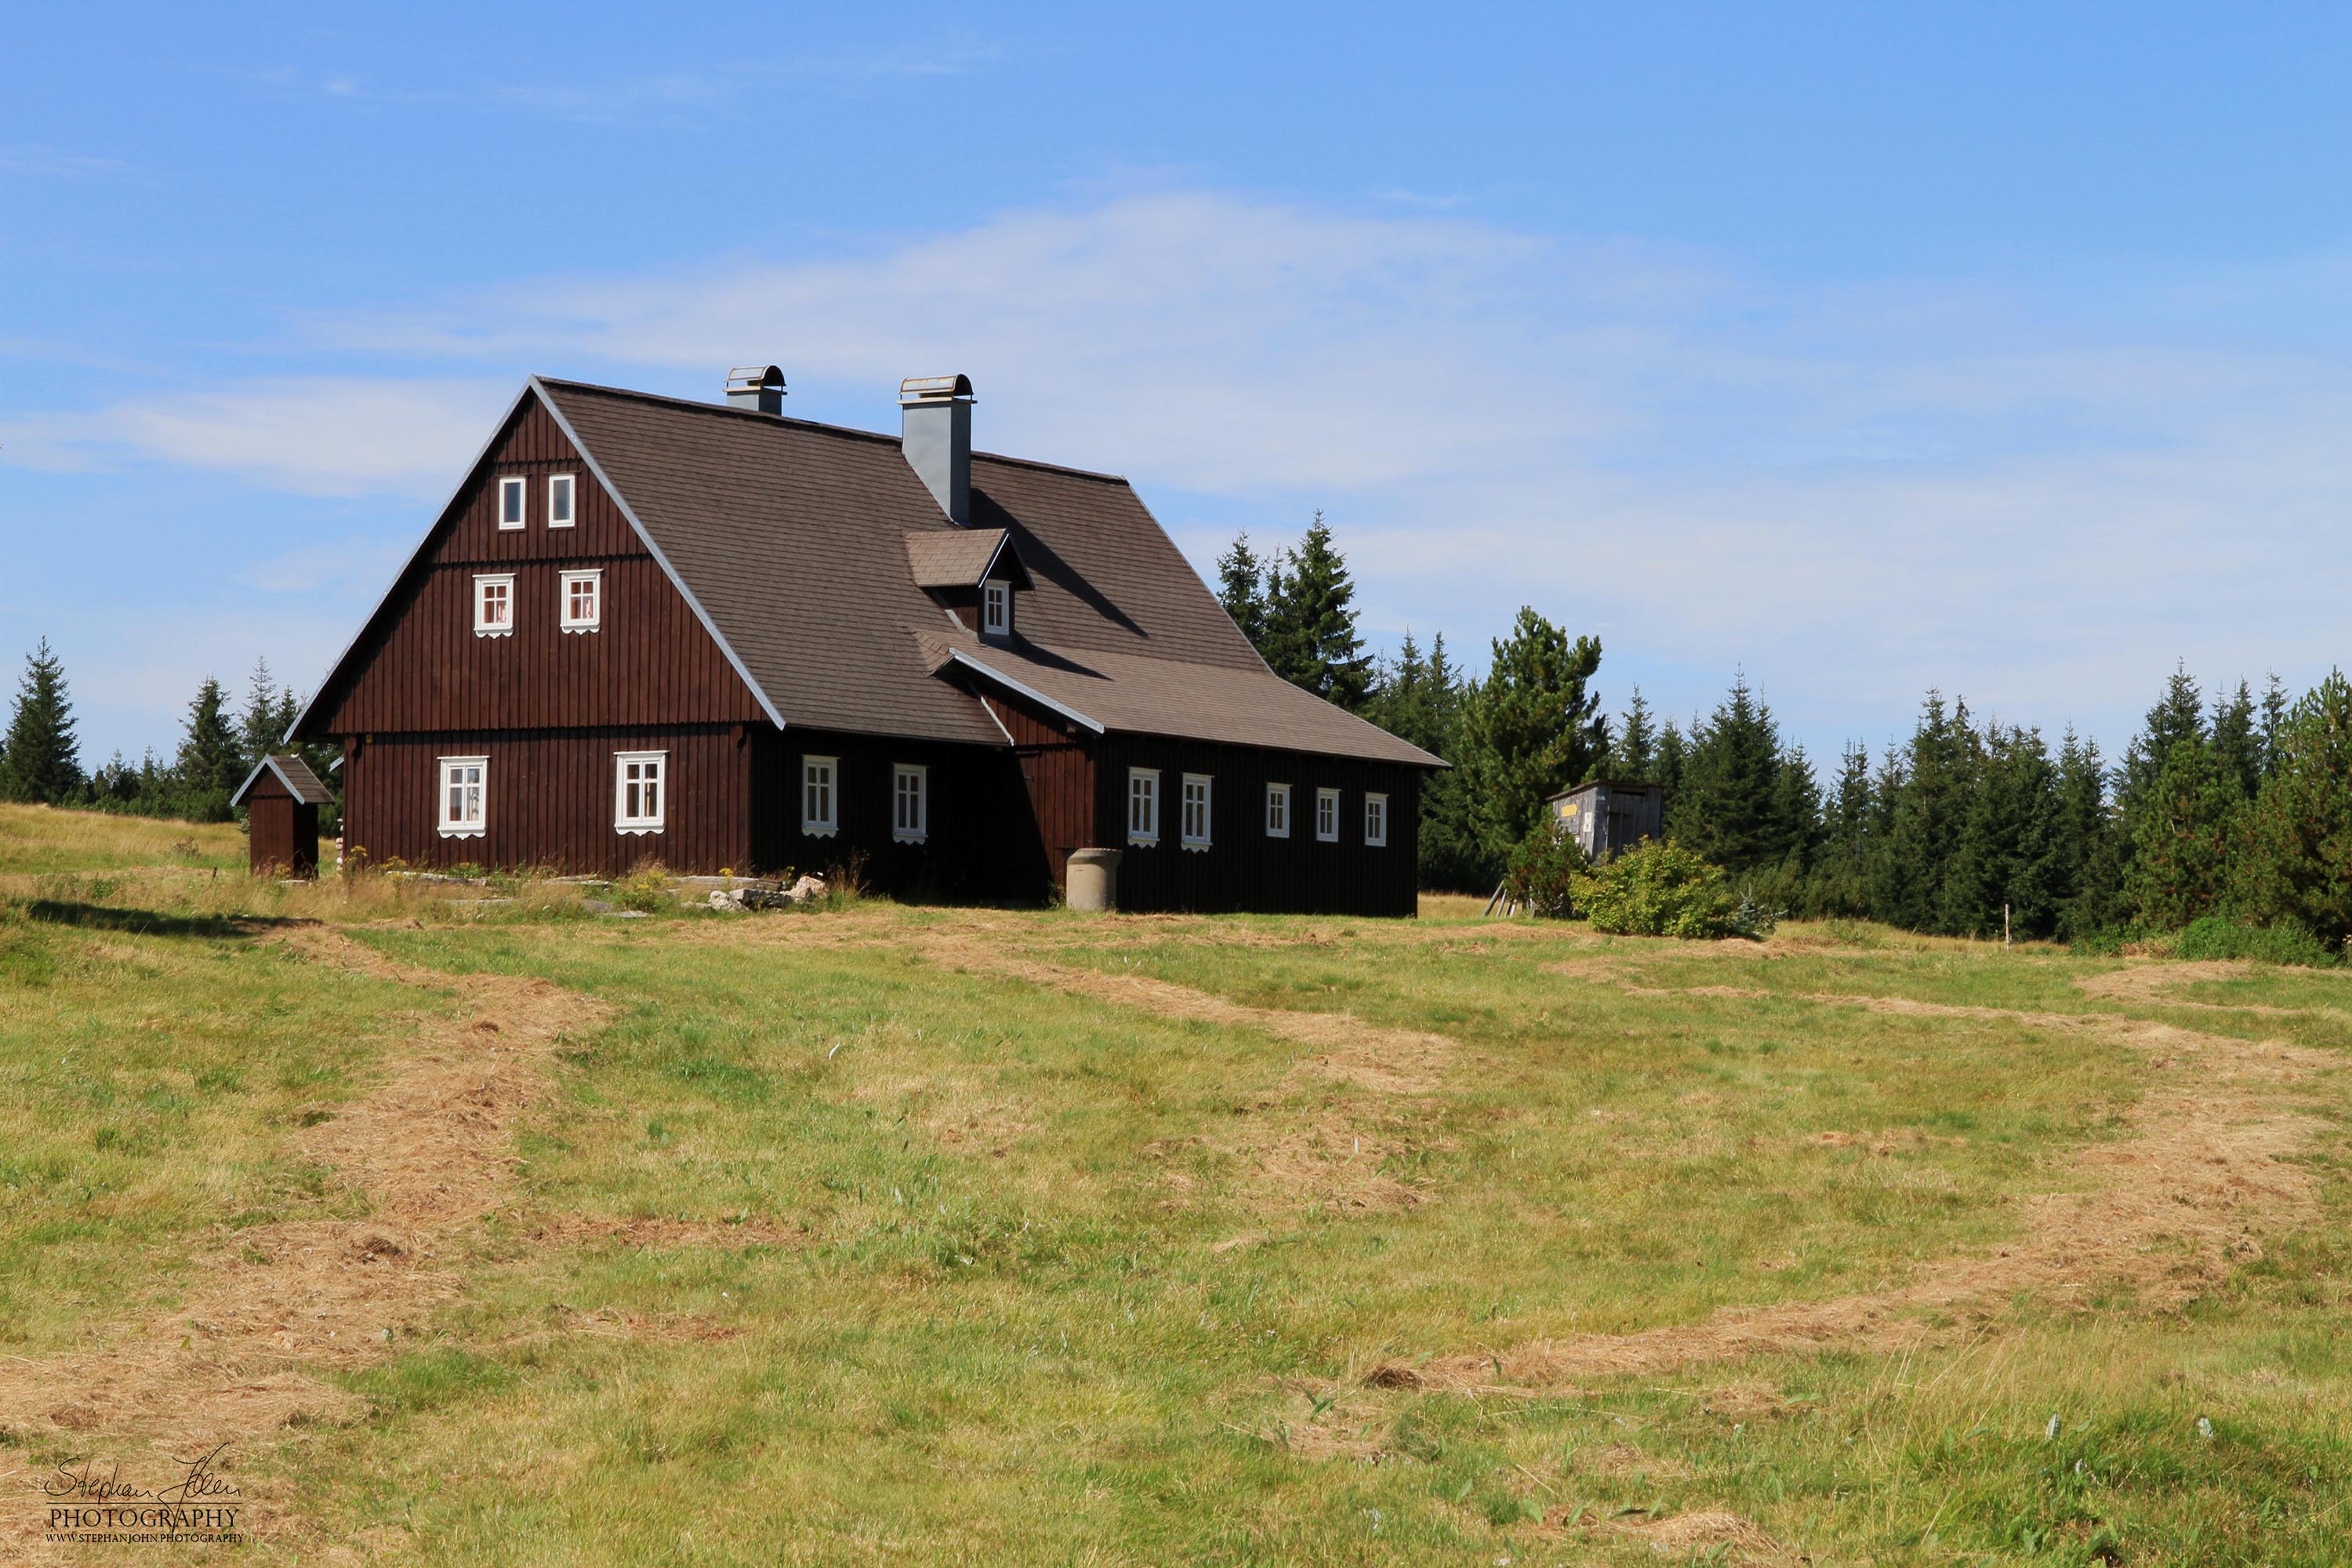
[(2284, 942), (1664, 890), (1543, 872)]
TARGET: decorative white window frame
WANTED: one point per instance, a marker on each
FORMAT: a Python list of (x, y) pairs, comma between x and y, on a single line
[(1278, 811), (594, 578), (460, 827), (643, 821), (826, 823), (1185, 825), (1143, 806), (483, 582), (568, 487), (996, 608), (1376, 821), (1326, 816), (518, 486), (901, 775)]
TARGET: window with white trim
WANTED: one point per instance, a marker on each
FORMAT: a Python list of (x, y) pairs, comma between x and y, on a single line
[(560, 490), (996, 608), (1376, 820), (1195, 823), (465, 796), (494, 604), (583, 601), (511, 501), (910, 802), (820, 800), (1327, 815), (640, 791), (1142, 806), (1278, 811)]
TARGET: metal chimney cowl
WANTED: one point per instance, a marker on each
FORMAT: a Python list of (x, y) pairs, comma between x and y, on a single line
[(757, 387), (936, 437)]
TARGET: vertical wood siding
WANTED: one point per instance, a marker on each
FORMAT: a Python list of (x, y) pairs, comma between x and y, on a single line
[(281, 832), (1058, 774), (550, 800)]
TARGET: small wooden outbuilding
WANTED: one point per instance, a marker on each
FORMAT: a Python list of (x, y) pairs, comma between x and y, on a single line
[(1607, 819), (282, 797)]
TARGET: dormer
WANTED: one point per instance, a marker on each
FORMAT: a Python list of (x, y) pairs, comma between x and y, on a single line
[(975, 572)]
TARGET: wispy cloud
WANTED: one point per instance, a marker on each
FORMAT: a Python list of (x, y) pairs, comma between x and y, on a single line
[(51, 163)]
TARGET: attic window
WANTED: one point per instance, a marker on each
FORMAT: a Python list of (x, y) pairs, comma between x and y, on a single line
[(511, 502), (559, 501), (996, 608), (494, 606)]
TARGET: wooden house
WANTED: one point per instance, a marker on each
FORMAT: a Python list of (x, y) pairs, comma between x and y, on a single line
[(281, 798), (649, 628), (1606, 819)]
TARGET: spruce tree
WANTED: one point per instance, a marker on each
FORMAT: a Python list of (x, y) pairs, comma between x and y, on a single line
[(1796, 813), (42, 758), (2237, 739), (1841, 883), (1928, 809), (1633, 754), (1530, 730), (259, 729), (211, 764), (2276, 708), (2180, 844), (1724, 810), (1241, 588), (2090, 853), (1674, 762), (1310, 637), (2296, 858), (2178, 715), (2008, 849)]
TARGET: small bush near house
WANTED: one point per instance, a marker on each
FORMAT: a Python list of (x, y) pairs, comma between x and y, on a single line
[(645, 889), (1543, 872), (1662, 890)]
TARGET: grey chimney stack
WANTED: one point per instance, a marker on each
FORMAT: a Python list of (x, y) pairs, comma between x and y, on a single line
[(936, 411), (758, 387)]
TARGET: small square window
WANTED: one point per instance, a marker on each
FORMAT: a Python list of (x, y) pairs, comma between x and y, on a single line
[(1278, 811), (996, 609), (1327, 815), (583, 601), (494, 606), (1142, 806), (819, 802), (909, 804), (465, 792), (510, 503), (640, 796), (559, 501), (1376, 820), (1196, 811)]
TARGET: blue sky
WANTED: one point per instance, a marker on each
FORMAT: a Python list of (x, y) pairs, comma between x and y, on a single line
[(2001, 349)]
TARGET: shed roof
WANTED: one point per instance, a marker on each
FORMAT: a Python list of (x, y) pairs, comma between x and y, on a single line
[(294, 773)]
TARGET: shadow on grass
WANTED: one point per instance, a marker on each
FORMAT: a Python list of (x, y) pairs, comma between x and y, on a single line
[(146, 923)]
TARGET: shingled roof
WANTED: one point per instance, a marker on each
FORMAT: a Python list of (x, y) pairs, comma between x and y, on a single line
[(809, 551)]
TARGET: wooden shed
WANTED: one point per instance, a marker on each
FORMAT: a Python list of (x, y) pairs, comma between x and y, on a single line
[(1608, 818), (282, 797)]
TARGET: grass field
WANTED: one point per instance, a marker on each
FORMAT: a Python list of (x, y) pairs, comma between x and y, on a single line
[(508, 1232)]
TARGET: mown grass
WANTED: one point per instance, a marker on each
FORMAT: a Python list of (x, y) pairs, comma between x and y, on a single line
[(1037, 1299), (36, 838)]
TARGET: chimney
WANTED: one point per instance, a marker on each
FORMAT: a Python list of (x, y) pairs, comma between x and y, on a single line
[(937, 438), (758, 387)]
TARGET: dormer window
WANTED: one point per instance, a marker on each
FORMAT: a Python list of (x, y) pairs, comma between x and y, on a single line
[(511, 502), (996, 608)]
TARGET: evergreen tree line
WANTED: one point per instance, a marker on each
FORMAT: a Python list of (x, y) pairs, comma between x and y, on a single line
[(40, 757), (2240, 809)]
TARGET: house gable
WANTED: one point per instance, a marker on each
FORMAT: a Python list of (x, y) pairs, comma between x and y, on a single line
[(421, 665)]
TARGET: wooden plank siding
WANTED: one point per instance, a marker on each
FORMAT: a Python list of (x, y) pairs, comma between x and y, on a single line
[(551, 799), (1243, 867), (1057, 772), (281, 832)]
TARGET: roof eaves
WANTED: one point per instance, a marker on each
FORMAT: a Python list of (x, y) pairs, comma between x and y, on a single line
[(957, 656), (759, 692)]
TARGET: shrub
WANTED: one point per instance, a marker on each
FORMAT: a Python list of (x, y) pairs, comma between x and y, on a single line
[(2284, 942), (1664, 890), (645, 889), (1543, 872)]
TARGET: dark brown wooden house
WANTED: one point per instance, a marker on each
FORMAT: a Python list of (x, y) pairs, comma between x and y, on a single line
[(281, 798), (646, 628)]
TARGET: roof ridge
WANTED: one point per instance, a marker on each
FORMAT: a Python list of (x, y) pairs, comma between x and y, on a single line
[(727, 411)]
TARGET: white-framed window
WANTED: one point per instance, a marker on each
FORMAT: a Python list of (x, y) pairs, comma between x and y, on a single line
[(560, 491), (996, 608), (1195, 823), (494, 604), (820, 799), (1142, 806), (1376, 820), (511, 501), (583, 601), (910, 805), (465, 796), (640, 791), (1327, 815), (1278, 811)]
